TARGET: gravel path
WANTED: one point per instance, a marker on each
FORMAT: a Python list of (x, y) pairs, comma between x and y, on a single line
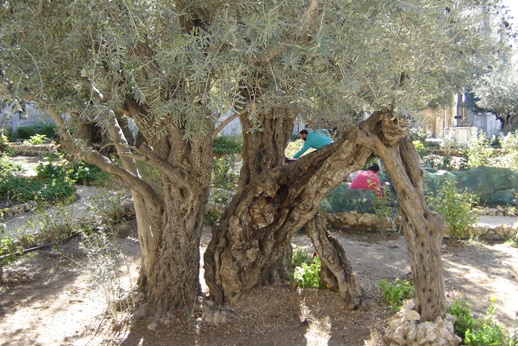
[(33, 221)]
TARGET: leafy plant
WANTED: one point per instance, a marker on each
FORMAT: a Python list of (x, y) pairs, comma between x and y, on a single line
[(300, 256), (36, 139), (8, 168), (84, 173), (11, 245), (479, 151), (455, 207), (394, 293), (307, 275), (384, 209), (224, 145), (465, 320), (419, 146), (510, 146), (26, 132), (224, 175), (480, 331)]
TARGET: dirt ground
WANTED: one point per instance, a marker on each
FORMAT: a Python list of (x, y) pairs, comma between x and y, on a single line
[(59, 296)]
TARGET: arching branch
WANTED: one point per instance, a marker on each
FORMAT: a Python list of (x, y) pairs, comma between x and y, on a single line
[(38, 10)]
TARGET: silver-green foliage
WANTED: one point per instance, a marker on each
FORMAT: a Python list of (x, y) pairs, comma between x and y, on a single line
[(88, 58)]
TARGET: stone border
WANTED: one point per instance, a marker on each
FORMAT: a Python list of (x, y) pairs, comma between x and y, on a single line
[(368, 221), (32, 149)]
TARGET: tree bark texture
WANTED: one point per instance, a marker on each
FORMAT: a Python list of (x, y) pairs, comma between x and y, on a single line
[(263, 150), (176, 225), (336, 271), (508, 122), (263, 216), (423, 228)]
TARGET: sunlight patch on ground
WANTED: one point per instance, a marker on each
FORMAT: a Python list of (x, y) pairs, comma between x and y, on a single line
[(318, 329)]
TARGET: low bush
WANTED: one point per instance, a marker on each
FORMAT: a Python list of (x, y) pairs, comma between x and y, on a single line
[(479, 151), (36, 139), (224, 145), (224, 175), (307, 275), (26, 132), (299, 257), (480, 331), (455, 207), (394, 293), (419, 146)]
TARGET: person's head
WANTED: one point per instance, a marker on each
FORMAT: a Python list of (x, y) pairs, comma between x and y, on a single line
[(303, 134), (374, 167)]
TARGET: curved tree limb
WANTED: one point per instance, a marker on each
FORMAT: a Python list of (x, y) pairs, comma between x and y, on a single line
[(38, 10), (337, 271)]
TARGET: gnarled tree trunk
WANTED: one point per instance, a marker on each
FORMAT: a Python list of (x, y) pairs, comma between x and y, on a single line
[(265, 214), (336, 270), (423, 228)]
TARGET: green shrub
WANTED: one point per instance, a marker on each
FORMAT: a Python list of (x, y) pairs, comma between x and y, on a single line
[(307, 275), (224, 145), (465, 320), (7, 168), (36, 139), (210, 217), (26, 132), (299, 257), (394, 293), (510, 146), (45, 190), (84, 173), (10, 246), (419, 146), (223, 174), (479, 151), (385, 209), (455, 207), (480, 331)]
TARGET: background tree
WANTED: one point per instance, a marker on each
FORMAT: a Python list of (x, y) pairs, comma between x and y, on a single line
[(498, 92)]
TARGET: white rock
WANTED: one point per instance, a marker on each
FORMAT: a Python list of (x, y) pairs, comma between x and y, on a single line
[(411, 315)]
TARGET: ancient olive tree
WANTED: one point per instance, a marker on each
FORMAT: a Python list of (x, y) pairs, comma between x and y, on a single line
[(173, 67), (158, 63), (333, 60)]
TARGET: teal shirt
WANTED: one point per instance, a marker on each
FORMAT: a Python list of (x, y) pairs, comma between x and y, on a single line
[(313, 140)]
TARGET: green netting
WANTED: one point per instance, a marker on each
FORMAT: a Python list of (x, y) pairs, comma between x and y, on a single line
[(493, 185), (341, 199)]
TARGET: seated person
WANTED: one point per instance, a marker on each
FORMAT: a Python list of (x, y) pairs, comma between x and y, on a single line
[(368, 180), (312, 140)]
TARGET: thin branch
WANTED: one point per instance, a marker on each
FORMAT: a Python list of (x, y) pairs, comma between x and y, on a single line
[(227, 121), (38, 10), (100, 160), (174, 173)]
